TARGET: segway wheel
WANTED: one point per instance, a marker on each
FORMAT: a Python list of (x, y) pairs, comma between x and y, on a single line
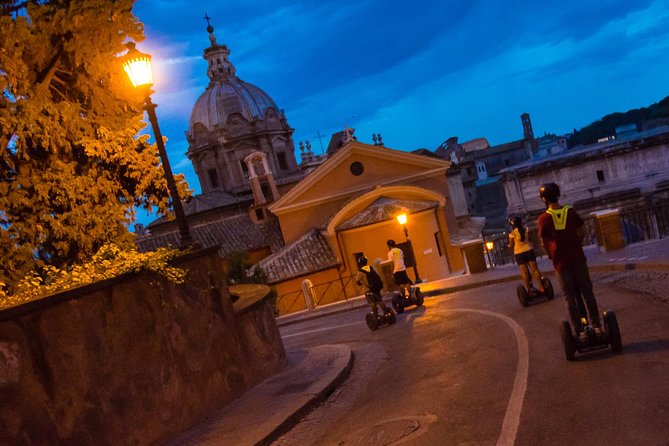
[(398, 304), (549, 292), (523, 297), (372, 322), (391, 316), (568, 340), (613, 330), (419, 297)]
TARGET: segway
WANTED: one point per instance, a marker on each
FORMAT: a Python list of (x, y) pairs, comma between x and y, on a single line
[(400, 300), (526, 296), (589, 340), (375, 320)]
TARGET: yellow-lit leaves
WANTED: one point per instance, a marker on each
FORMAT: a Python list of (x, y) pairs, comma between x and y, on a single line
[(109, 262), (78, 162)]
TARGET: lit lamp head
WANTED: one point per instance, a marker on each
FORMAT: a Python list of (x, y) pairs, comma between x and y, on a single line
[(138, 67), (489, 245), (402, 219)]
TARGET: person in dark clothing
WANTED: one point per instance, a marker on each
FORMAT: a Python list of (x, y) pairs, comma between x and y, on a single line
[(368, 276), (561, 231)]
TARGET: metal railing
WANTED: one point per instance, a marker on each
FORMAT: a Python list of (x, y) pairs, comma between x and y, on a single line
[(501, 254), (325, 293), (639, 225)]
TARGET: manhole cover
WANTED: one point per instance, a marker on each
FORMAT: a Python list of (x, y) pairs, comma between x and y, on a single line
[(387, 432)]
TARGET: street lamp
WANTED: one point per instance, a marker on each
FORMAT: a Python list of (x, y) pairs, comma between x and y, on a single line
[(138, 67), (402, 220)]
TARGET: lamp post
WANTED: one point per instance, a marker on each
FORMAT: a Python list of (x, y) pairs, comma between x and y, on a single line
[(402, 220), (489, 246), (138, 67)]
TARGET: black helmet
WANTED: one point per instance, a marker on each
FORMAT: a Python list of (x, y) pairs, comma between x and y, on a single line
[(550, 192), (362, 261), (391, 243)]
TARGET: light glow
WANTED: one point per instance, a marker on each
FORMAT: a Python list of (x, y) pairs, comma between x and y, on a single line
[(402, 219), (138, 67)]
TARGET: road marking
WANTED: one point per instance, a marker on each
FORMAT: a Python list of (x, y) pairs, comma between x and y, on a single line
[(627, 259), (318, 330), (507, 436)]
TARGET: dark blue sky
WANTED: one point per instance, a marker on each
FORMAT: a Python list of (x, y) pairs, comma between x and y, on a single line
[(416, 72)]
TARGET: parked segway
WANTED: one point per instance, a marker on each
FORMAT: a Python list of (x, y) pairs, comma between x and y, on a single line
[(402, 299), (590, 339), (526, 296), (375, 320)]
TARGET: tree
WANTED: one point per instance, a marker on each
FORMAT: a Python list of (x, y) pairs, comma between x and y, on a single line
[(73, 169)]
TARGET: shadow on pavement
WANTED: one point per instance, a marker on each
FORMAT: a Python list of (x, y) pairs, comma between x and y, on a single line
[(647, 346)]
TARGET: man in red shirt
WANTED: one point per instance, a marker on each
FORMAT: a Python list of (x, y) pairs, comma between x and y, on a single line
[(561, 232)]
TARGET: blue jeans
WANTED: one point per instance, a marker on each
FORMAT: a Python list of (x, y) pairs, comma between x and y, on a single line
[(577, 287)]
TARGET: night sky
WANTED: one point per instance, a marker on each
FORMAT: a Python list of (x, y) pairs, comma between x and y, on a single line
[(416, 72)]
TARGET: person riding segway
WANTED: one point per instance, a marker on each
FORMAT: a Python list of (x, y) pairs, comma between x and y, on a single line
[(370, 278), (409, 294), (526, 259), (561, 231)]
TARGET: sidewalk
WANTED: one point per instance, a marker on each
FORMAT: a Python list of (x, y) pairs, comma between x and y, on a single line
[(276, 405)]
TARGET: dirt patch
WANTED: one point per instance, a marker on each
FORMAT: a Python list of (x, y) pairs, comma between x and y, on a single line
[(652, 283)]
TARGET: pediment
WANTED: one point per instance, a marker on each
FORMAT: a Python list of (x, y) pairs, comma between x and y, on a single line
[(355, 169)]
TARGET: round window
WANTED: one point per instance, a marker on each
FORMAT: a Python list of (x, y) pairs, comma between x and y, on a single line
[(357, 168)]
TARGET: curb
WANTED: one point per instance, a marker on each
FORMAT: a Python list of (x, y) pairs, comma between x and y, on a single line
[(316, 399), (599, 267)]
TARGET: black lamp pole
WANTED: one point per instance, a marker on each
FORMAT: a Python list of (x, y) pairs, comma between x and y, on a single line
[(186, 239)]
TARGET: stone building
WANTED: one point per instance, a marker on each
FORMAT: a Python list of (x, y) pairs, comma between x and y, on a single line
[(242, 150), (480, 165), (627, 172)]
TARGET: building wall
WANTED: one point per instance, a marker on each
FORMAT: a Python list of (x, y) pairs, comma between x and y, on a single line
[(422, 227), (457, 195), (636, 166), (299, 221)]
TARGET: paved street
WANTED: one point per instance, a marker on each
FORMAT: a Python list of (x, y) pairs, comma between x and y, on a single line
[(475, 368)]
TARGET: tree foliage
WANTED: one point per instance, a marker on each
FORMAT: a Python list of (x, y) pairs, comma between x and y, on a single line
[(608, 124), (240, 270), (107, 263), (73, 169)]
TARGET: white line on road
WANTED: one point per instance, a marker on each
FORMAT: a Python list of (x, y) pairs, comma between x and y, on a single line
[(507, 436)]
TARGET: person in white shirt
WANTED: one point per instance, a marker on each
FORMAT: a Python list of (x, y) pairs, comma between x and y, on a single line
[(396, 255)]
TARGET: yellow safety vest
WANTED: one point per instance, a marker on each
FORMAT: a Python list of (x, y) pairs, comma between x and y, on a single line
[(559, 217)]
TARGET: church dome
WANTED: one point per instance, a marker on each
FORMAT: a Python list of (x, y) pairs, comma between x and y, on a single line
[(227, 96)]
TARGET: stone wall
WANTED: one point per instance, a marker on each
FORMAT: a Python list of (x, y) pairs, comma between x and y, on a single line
[(614, 175), (131, 361)]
